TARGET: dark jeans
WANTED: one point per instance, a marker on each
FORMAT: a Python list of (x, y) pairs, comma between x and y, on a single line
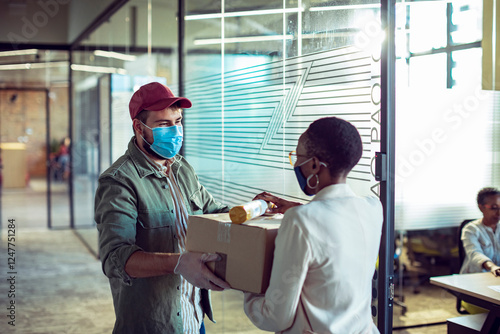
[(202, 328)]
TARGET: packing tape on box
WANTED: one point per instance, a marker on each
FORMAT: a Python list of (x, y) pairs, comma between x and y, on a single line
[(224, 232)]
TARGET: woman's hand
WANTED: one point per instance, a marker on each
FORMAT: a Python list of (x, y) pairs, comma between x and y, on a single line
[(280, 204), (495, 270), (492, 268)]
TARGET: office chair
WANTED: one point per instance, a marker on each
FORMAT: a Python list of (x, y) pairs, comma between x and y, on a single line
[(428, 251), (461, 258)]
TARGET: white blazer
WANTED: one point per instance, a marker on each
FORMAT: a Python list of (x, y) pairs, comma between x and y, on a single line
[(324, 261)]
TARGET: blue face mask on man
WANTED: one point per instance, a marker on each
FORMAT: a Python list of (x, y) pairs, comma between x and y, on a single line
[(303, 181), (167, 141)]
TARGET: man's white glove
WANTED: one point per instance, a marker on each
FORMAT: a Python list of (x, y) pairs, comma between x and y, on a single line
[(192, 267)]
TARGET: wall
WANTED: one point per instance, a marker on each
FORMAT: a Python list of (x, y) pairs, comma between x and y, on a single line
[(163, 22), (47, 21), (82, 14), (33, 21), (23, 120)]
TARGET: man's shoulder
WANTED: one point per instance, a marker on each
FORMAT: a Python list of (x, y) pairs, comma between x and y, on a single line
[(122, 167)]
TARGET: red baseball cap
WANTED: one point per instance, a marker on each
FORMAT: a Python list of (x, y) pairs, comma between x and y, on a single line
[(154, 96)]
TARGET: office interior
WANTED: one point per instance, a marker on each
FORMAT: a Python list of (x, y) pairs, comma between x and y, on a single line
[(417, 78)]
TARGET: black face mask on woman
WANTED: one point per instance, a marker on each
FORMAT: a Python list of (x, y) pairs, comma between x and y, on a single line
[(303, 181)]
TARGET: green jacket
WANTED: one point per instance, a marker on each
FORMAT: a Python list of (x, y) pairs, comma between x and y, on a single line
[(134, 210)]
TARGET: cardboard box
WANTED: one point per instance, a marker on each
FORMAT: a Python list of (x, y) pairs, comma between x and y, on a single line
[(247, 249)]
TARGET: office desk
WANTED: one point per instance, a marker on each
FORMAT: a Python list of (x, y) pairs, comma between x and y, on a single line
[(474, 288)]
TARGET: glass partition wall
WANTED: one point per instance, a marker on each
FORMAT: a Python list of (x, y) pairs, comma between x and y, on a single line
[(258, 75), (446, 144)]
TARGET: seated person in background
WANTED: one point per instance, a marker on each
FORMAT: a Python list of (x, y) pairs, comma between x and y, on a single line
[(326, 250), (62, 157), (481, 239)]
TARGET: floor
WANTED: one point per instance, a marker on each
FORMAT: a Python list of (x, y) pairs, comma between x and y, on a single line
[(56, 284)]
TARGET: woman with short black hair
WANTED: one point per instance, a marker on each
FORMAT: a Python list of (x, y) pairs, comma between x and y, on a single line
[(326, 250)]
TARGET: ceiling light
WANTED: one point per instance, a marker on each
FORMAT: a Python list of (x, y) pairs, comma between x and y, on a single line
[(329, 8), (30, 66), (18, 53), (98, 69), (111, 54), (241, 14), (243, 39)]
